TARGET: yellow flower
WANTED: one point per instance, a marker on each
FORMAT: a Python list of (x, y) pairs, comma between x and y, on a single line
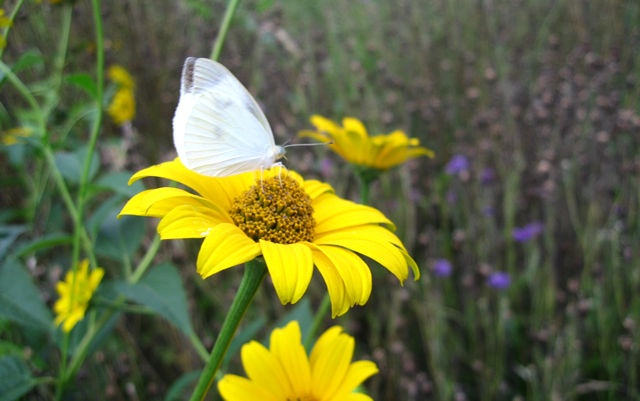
[(13, 135), (285, 373), (293, 223), (75, 293), (4, 21), (120, 76), (353, 143), (123, 106)]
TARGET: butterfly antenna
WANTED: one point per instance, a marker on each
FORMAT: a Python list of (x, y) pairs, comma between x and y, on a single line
[(307, 144)]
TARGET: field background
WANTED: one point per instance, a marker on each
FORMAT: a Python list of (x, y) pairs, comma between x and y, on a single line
[(543, 93)]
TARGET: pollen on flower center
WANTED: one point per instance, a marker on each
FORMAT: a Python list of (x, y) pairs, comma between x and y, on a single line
[(275, 209)]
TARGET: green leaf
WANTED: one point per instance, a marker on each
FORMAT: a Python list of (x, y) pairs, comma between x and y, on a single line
[(20, 300), (16, 378), (84, 82), (8, 235), (44, 242), (161, 290), (119, 238), (107, 209), (178, 388), (71, 164), (118, 183)]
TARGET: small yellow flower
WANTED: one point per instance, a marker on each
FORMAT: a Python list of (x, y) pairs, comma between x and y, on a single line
[(293, 223), (4, 21), (120, 76), (284, 372), (353, 143), (75, 293), (13, 135), (123, 106)]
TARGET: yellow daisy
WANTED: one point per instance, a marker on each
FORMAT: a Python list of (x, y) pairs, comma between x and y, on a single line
[(292, 223), (123, 106), (285, 373), (353, 143), (120, 76), (75, 294)]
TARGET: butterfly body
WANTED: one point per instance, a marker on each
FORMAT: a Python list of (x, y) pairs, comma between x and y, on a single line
[(218, 128)]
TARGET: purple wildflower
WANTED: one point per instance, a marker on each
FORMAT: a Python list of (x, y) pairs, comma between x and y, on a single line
[(442, 268), (499, 280), (531, 230), (457, 164), (487, 175)]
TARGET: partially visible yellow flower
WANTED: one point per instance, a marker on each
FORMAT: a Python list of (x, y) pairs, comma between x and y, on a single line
[(285, 373), (75, 293), (120, 76), (352, 142), (123, 106), (13, 135), (293, 223), (4, 21)]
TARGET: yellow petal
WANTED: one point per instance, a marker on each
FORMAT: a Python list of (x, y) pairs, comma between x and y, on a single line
[(265, 370), (237, 388), (320, 136), (357, 373), (218, 190), (315, 188), (353, 271), (333, 213), (356, 397), (290, 267), (354, 125), (159, 202), (186, 221), (225, 246), (372, 242), (330, 360), (286, 346), (335, 284), (325, 125)]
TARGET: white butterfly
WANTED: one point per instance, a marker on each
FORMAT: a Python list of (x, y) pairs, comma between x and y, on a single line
[(218, 128)]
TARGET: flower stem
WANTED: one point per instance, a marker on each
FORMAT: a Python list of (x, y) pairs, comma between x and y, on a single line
[(317, 321), (224, 28), (12, 17), (254, 273)]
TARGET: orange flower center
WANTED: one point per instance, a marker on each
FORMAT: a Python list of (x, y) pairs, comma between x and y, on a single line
[(275, 209)]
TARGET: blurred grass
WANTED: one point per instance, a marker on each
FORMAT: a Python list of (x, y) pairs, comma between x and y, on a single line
[(543, 92)]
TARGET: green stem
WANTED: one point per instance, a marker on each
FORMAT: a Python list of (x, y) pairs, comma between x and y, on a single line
[(146, 260), (79, 233), (364, 191), (12, 18), (317, 321), (254, 273), (224, 28)]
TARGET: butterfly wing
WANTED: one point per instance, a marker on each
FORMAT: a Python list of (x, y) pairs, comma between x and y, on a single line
[(218, 128)]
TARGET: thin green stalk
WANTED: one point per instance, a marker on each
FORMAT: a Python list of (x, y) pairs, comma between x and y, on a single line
[(79, 206), (146, 260), (364, 192), (224, 28), (317, 320), (254, 273), (12, 17)]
